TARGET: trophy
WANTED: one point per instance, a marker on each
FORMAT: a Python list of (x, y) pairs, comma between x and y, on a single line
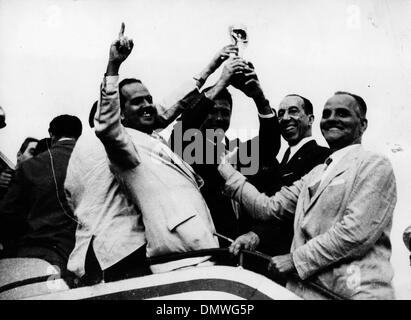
[(239, 36)]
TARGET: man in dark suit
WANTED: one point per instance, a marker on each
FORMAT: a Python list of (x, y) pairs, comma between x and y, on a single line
[(210, 119), (35, 221), (295, 117)]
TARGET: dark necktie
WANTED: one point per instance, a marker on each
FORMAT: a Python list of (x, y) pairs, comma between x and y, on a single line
[(286, 157)]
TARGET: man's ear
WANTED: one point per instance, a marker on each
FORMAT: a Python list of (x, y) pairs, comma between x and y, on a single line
[(364, 125), (310, 119)]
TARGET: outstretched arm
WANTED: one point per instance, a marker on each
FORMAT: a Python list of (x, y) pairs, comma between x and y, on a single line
[(190, 101), (280, 206), (221, 56), (195, 116)]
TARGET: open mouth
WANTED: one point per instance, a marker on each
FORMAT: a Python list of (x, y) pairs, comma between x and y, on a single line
[(333, 129), (147, 112), (289, 128)]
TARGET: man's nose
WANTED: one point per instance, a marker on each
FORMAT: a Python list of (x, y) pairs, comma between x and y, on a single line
[(332, 116), (286, 116)]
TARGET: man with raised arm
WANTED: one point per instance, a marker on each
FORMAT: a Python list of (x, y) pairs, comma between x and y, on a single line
[(160, 188), (208, 121)]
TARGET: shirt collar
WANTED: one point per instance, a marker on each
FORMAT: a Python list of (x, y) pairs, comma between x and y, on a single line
[(64, 139), (339, 154), (295, 148)]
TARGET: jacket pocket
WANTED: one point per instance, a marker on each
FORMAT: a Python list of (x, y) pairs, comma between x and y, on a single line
[(177, 219)]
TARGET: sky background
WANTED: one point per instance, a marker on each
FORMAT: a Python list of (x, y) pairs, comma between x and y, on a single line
[(53, 56)]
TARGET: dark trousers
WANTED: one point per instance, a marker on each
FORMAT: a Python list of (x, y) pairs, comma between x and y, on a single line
[(134, 265)]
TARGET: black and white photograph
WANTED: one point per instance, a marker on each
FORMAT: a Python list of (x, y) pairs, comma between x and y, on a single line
[(217, 151)]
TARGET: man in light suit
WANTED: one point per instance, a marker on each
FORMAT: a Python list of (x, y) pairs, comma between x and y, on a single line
[(342, 211), (162, 187)]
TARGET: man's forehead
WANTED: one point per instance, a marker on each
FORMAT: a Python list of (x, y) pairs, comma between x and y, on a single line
[(291, 101), (341, 100), (135, 90)]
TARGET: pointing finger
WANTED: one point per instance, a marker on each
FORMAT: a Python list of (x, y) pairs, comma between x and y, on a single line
[(121, 33)]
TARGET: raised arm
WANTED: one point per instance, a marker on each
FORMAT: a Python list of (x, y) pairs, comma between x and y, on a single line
[(189, 99), (269, 132), (108, 127), (195, 116)]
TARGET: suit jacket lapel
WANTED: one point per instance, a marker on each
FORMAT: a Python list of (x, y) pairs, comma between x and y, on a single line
[(344, 163), (178, 162), (289, 166)]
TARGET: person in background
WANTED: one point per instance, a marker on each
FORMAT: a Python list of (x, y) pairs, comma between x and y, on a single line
[(26, 150), (35, 221), (6, 166)]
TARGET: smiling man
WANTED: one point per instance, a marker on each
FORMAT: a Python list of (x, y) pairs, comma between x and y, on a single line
[(342, 211), (133, 197), (295, 118), (163, 187)]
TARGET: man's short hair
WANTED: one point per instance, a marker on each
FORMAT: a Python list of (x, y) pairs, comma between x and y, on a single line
[(360, 102), (307, 105), (121, 85), (26, 143), (222, 95), (66, 126), (92, 114)]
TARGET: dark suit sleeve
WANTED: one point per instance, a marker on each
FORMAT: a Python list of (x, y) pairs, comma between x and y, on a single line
[(269, 138), (14, 209), (193, 108), (196, 108)]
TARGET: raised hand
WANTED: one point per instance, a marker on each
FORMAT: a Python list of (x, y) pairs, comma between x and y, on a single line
[(222, 55), (248, 82), (234, 65), (119, 51)]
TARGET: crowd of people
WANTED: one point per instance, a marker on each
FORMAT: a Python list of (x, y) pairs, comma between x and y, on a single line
[(97, 202)]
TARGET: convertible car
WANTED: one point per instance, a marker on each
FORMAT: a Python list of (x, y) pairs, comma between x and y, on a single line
[(230, 278)]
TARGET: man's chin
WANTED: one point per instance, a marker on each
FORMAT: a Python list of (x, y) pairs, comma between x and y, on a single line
[(144, 125), (333, 139), (290, 138)]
